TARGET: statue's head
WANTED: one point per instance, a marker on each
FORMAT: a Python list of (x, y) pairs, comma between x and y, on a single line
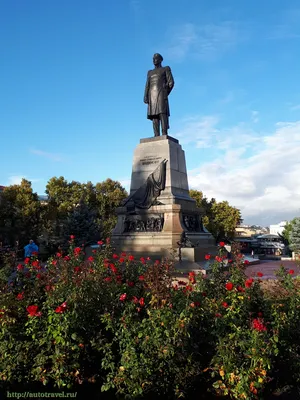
[(157, 59)]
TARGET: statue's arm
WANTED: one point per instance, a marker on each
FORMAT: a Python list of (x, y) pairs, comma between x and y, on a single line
[(146, 90), (170, 79)]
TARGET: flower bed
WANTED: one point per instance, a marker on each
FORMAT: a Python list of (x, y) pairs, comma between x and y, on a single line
[(119, 325)]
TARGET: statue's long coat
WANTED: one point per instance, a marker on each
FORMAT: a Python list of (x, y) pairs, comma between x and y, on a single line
[(159, 84)]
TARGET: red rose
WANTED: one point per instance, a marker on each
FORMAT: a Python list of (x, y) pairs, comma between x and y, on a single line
[(218, 259), (249, 282), (135, 299), (123, 296), (291, 272), (77, 250), (130, 284), (33, 311), (260, 274), (230, 261), (54, 262), (115, 256), (246, 262), (108, 279), (123, 254), (20, 296), (77, 269), (258, 325), (218, 315), (58, 255), (207, 257), (38, 276), (229, 285), (72, 237), (121, 259), (59, 310), (35, 263), (67, 258), (142, 301), (182, 283), (107, 240), (20, 267), (113, 268), (240, 289), (100, 242), (221, 244), (27, 260), (224, 304), (130, 258), (141, 278), (192, 277)]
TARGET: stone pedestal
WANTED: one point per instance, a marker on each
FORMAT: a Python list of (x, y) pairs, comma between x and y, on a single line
[(156, 231)]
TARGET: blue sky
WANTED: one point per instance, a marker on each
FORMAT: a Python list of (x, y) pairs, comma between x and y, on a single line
[(72, 81)]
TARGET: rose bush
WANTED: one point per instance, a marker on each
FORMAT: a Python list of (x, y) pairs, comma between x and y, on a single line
[(128, 327)]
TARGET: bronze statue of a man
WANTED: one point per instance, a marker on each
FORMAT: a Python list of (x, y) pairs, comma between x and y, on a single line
[(159, 84)]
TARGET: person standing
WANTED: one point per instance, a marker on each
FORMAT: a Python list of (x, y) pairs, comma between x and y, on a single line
[(159, 85), (30, 248)]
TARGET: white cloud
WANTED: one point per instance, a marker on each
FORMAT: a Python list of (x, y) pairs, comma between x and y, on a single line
[(287, 26), (17, 179), (206, 41), (126, 183), (295, 108), (254, 116), (200, 130), (50, 156), (256, 172)]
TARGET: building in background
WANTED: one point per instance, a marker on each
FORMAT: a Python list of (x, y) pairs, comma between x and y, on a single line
[(278, 228)]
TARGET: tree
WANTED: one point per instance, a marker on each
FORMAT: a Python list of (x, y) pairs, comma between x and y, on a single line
[(294, 236), (20, 211), (220, 219), (82, 223), (99, 201), (287, 230), (109, 196)]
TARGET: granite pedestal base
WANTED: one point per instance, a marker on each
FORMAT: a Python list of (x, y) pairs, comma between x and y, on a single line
[(156, 231)]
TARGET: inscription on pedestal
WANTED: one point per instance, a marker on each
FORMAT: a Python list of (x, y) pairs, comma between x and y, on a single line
[(150, 160)]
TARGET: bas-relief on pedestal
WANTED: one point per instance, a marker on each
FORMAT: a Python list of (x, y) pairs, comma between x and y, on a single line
[(159, 208)]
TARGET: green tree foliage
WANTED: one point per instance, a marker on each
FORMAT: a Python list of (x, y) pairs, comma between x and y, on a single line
[(287, 230), (83, 224), (220, 219), (98, 201), (109, 195), (20, 211), (294, 236)]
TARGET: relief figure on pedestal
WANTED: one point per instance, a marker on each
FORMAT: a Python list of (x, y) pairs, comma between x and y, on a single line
[(145, 196)]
